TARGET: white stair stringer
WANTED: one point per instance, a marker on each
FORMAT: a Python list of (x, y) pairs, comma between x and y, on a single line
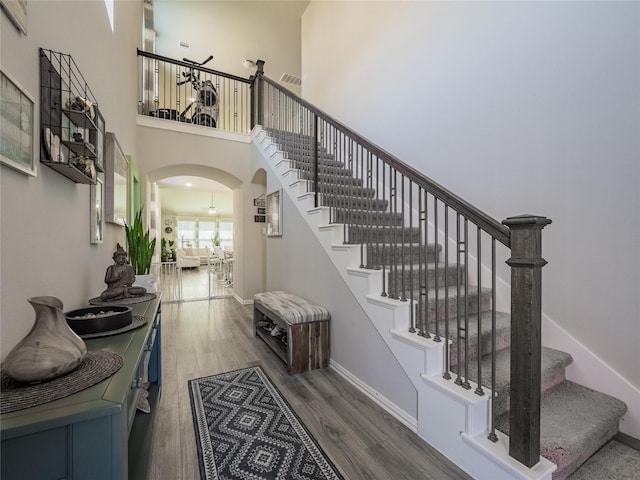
[(451, 419)]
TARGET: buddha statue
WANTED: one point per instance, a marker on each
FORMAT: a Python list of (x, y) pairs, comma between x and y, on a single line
[(119, 279)]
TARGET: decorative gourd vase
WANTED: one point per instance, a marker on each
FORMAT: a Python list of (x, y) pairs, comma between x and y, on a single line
[(50, 350)]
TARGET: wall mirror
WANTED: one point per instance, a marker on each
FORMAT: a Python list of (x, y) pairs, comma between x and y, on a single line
[(116, 181), (97, 210), (274, 214)]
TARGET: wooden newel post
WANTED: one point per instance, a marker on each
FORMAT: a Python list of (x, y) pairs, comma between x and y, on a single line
[(257, 95), (526, 264)]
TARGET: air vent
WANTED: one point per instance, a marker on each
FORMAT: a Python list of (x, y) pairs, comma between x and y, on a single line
[(291, 79), (185, 44)]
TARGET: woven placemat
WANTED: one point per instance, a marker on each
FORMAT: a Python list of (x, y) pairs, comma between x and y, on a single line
[(97, 366), (138, 321)]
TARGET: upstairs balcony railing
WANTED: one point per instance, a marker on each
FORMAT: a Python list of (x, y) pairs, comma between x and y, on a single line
[(185, 91), (435, 250)]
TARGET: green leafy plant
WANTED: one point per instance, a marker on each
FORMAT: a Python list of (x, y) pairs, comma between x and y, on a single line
[(139, 246), (164, 250)]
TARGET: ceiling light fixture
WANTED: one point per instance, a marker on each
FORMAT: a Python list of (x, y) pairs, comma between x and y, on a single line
[(248, 63), (212, 209)]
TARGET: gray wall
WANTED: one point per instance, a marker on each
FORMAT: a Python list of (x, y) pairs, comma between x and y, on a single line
[(518, 107), (44, 220)]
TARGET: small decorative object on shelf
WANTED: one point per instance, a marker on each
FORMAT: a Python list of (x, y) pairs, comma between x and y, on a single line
[(50, 350), (72, 127), (91, 320), (85, 165)]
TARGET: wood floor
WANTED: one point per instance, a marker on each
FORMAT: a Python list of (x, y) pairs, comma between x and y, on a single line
[(192, 283), (206, 337)]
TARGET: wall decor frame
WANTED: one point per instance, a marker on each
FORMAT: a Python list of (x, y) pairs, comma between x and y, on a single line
[(16, 10), (97, 211), (274, 214), (116, 182), (17, 140)]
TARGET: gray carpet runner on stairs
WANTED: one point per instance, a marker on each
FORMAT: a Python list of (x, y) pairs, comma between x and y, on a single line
[(576, 422)]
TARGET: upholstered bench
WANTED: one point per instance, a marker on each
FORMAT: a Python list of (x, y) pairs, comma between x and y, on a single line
[(305, 325)]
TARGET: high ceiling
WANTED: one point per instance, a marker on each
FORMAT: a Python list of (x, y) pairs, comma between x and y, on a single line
[(187, 196), (231, 31)]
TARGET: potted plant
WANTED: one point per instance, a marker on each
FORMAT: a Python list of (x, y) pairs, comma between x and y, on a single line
[(165, 253), (172, 250), (140, 249)]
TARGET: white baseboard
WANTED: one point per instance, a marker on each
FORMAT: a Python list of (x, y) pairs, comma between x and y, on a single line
[(380, 400), (241, 300)]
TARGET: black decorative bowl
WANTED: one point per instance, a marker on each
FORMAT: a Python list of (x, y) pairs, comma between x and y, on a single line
[(85, 321)]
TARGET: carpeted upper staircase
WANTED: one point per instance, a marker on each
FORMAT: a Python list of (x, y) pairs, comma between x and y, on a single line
[(575, 421)]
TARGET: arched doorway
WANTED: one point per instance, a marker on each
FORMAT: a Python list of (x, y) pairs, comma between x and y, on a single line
[(195, 218)]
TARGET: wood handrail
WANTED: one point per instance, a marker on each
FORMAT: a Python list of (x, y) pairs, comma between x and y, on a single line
[(142, 53), (475, 215)]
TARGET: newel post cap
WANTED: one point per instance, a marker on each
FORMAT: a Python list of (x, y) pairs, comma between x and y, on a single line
[(527, 221)]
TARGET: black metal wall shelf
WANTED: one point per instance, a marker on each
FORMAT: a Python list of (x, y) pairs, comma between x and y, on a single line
[(72, 127)]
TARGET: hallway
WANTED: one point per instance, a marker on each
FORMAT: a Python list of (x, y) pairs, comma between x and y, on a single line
[(203, 338)]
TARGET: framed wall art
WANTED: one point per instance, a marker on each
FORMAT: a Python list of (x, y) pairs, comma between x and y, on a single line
[(16, 10), (116, 181), (16, 126), (274, 214), (97, 211)]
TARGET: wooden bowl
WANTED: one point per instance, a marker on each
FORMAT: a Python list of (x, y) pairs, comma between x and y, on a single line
[(85, 321)]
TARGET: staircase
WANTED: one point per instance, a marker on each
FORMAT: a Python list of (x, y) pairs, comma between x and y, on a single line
[(363, 229)]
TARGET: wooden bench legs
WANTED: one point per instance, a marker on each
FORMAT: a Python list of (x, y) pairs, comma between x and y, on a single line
[(307, 345)]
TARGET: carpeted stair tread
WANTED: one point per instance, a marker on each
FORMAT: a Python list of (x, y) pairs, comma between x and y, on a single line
[(378, 254), (331, 179), (553, 366), (452, 304), (503, 335), (575, 422), (365, 217), (343, 190), (353, 202), (323, 169), (614, 461), (362, 234), (306, 161), (411, 276)]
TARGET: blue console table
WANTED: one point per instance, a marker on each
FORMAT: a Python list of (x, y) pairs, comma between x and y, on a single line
[(95, 434)]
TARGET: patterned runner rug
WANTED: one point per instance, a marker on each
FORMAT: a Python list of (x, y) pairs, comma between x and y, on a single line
[(245, 429)]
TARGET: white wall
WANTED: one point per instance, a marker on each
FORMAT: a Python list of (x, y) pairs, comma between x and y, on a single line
[(232, 31), (518, 107), (297, 263), (220, 156), (44, 221)]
